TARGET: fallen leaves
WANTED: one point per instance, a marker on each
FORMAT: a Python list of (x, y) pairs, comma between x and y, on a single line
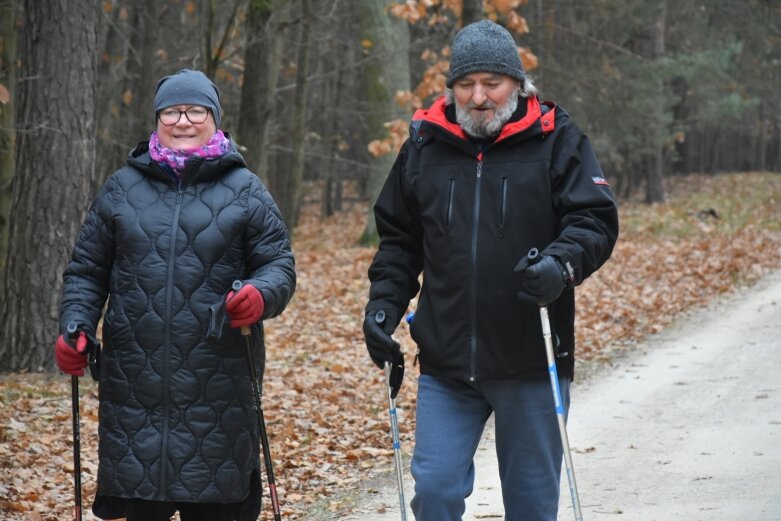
[(324, 401), (666, 263)]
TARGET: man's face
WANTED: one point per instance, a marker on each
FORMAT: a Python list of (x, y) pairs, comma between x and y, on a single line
[(485, 101)]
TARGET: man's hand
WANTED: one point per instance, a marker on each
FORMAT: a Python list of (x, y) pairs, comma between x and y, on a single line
[(378, 327), (71, 356), (542, 281)]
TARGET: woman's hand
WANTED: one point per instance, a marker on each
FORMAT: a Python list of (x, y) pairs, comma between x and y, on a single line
[(245, 306), (71, 358)]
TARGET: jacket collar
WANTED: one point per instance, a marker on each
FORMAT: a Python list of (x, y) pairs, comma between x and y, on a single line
[(435, 115)]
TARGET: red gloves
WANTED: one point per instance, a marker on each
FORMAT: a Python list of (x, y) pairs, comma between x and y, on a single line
[(71, 359), (245, 307)]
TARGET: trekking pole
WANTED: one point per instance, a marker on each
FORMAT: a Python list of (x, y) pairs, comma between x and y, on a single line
[(73, 333), (272, 485), (380, 318), (535, 257)]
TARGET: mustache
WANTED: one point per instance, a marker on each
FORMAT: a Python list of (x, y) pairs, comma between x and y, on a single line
[(487, 104)]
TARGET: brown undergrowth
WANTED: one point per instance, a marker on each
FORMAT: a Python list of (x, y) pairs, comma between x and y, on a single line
[(324, 401)]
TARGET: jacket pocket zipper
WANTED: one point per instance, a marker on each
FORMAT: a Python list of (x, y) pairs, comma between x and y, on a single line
[(502, 206), (449, 214)]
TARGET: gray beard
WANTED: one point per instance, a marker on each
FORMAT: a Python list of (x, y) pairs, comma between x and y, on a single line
[(477, 127)]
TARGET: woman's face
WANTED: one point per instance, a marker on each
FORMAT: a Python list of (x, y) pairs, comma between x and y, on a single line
[(176, 128)]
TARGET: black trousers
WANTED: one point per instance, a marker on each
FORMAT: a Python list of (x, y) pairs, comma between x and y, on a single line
[(143, 510)]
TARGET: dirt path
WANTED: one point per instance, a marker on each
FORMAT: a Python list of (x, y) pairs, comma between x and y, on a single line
[(688, 427)]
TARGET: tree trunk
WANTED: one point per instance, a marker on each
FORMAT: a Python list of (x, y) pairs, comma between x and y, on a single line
[(385, 74), (128, 82), (764, 128), (112, 128), (262, 58), (8, 16), (213, 55), (329, 144), (333, 96), (544, 36), (471, 12), (777, 133), (54, 169), (140, 74), (655, 187), (207, 9), (292, 201)]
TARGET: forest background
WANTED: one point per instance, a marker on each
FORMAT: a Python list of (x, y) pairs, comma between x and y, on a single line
[(318, 94)]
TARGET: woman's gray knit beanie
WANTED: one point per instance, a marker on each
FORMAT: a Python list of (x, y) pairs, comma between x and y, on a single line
[(484, 46), (188, 87)]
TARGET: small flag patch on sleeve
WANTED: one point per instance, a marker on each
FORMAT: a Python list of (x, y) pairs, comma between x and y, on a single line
[(599, 180)]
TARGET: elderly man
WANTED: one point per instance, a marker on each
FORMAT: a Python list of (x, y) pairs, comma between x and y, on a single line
[(488, 173)]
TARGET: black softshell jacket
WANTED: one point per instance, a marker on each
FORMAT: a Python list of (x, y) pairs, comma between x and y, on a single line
[(177, 419), (465, 217)]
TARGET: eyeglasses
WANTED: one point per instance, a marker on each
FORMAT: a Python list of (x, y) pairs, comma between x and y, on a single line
[(194, 115)]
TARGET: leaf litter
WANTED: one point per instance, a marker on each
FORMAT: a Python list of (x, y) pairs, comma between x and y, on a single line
[(324, 401)]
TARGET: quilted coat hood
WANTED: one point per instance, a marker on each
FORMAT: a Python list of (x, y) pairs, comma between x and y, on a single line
[(177, 420)]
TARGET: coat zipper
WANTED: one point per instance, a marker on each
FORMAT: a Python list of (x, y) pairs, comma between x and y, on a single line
[(475, 219), (167, 340), (502, 206)]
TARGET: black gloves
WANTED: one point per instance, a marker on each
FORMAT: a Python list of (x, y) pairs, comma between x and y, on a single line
[(543, 278), (377, 328)]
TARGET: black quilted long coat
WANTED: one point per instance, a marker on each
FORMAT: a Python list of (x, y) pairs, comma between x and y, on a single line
[(177, 419)]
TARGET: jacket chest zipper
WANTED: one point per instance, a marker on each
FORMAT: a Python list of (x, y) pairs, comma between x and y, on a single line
[(502, 206), (475, 221), (167, 340)]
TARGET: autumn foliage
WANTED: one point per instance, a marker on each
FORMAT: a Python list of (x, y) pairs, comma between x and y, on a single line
[(433, 81), (324, 400)]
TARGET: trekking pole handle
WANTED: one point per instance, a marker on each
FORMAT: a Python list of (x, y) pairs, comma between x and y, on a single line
[(533, 256), (237, 285), (74, 334), (72, 329)]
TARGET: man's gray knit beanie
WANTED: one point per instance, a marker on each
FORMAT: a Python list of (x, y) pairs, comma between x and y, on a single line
[(188, 87), (484, 46)]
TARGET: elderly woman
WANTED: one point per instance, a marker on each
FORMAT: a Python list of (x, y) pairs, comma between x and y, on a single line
[(163, 241)]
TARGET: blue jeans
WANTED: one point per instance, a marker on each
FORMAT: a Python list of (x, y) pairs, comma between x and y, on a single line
[(451, 415)]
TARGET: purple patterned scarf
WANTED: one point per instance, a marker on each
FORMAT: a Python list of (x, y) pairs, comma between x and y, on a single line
[(217, 146)]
